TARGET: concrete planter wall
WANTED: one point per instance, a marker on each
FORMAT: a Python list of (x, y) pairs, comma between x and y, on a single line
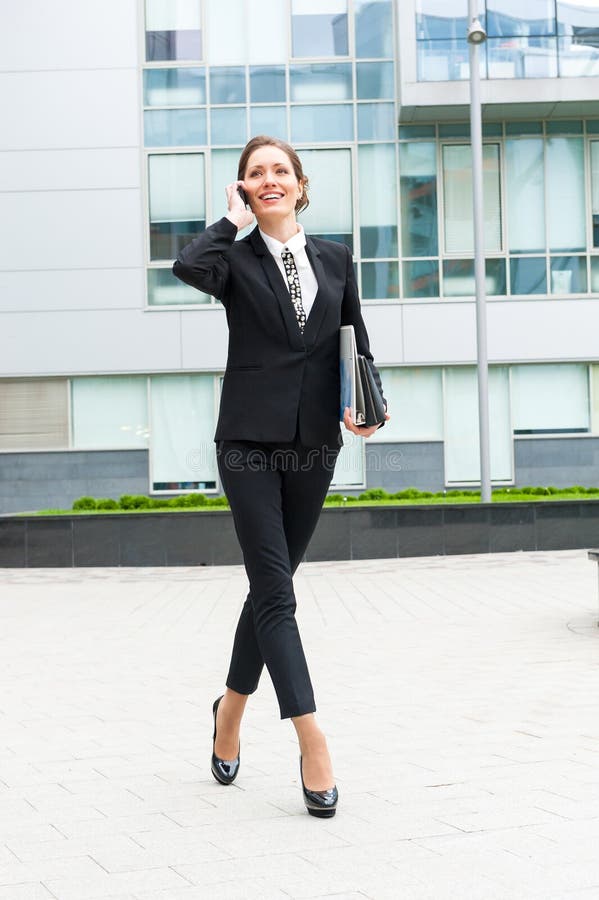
[(208, 538)]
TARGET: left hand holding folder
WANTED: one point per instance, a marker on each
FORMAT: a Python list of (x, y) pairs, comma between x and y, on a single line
[(362, 430)]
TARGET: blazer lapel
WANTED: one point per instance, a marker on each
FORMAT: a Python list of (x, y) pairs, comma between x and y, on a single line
[(318, 310), (279, 288)]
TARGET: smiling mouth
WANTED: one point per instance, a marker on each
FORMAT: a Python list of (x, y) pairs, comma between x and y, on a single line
[(265, 197)]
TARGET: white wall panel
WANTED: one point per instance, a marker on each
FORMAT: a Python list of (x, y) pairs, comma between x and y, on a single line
[(97, 342), (385, 330), (204, 339), (51, 170), (544, 330), (71, 230), (439, 333), (69, 109), (68, 34), (84, 289)]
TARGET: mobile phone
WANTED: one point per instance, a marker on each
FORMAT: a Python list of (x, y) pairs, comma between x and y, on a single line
[(243, 195)]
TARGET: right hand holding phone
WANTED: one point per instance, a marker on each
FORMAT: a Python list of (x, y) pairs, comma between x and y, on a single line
[(240, 214)]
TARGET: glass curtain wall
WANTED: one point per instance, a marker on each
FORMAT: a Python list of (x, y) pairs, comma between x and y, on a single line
[(324, 79), (541, 223), (536, 39)]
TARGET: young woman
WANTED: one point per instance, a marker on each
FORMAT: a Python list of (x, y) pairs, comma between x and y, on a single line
[(286, 296)]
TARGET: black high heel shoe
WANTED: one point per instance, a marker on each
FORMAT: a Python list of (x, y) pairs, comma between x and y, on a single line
[(224, 770), (320, 803)]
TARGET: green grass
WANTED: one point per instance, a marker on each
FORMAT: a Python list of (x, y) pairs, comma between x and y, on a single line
[(128, 504)]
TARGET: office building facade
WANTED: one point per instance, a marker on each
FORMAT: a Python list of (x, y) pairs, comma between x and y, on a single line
[(123, 121)]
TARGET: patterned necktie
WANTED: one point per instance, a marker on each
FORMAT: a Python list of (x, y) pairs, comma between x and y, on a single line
[(295, 290)]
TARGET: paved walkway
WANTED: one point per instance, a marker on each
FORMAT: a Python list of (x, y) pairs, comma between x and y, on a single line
[(460, 696)]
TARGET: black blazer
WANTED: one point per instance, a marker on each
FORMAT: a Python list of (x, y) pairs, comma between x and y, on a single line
[(277, 379)]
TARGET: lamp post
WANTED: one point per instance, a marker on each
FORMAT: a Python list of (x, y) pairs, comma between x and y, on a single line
[(476, 36)]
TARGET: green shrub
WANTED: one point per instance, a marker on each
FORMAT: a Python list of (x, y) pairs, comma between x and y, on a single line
[(85, 503), (374, 494), (334, 498), (106, 503), (159, 502), (406, 494), (195, 499), (134, 501), (216, 501)]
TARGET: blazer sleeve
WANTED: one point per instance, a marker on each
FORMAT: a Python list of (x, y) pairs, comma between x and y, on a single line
[(204, 263), (351, 314)]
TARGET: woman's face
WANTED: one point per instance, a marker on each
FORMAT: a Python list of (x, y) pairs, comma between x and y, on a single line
[(271, 184)]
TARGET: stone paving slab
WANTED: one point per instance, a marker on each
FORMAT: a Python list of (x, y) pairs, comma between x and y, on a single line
[(460, 698)]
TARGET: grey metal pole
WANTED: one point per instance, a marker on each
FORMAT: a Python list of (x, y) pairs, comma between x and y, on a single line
[(476, 36)]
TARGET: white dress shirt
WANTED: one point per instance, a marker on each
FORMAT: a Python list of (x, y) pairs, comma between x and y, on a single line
[(297, 246)]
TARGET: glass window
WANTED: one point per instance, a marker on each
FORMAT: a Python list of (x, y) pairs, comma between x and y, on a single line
[(173, 30), (34, 414), (406, 132), (462, 454), (437, 19), (267, 84), (380, 281), (458, 277), (319, 28), (378, 203), (454, 129), (227, 85), (595, 190), (269, 120), (579, 58), (177, 201), (375, 81), (524, 160), (512, 128), (457, 184), (594, 373), (595, 279), (166, 290), (349, 469), (418, 180), (374, 28), (568, 274), (174, 87), (182, 453), (534, 57), (109, 412), (330, 212), (577, 20), (334, 122), (320, 81), (417, 395), (550, 398), (270, 48), (528, 275), (226, 17), (564, 126), (376, 122), (224, 171), (566, 208), (506, 18), (228, 126), (174, 127), (447, 60), (421, 278)]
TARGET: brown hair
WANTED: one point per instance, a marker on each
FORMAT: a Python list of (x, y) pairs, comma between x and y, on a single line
[(264, 140)]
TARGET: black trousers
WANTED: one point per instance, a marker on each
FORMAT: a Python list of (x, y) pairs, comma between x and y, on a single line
[(276, 494)]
